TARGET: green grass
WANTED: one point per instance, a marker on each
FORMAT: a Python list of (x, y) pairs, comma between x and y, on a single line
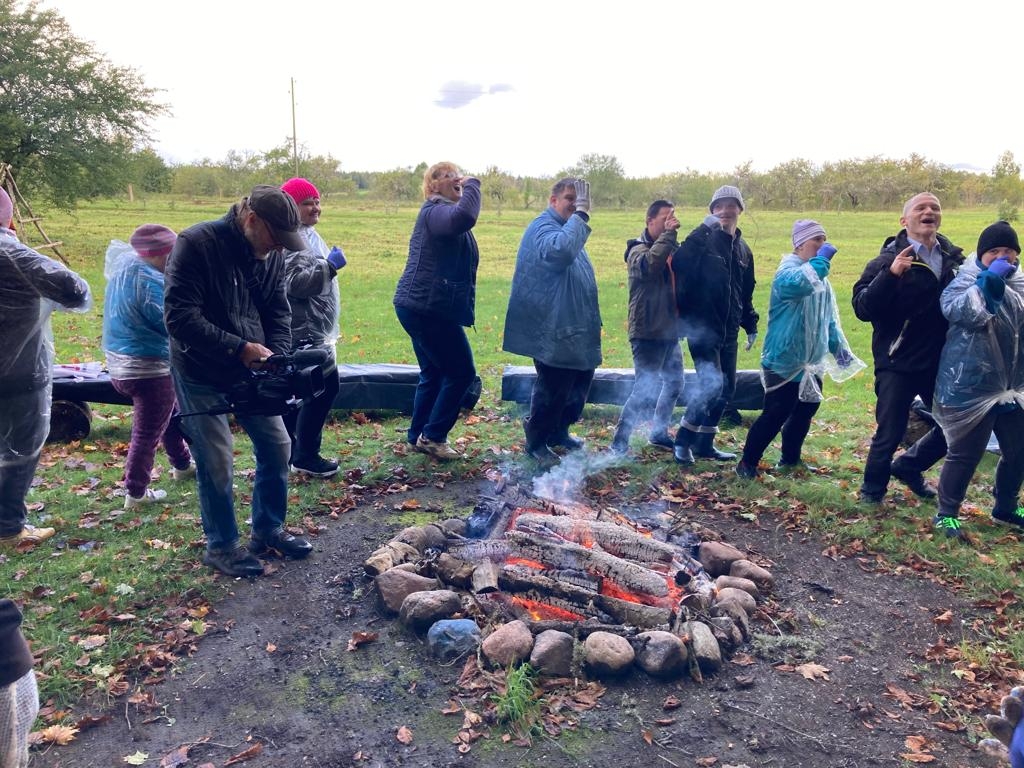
[(117, 562)]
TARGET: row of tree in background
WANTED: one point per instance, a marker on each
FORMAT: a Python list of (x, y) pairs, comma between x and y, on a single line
[(75, 126)]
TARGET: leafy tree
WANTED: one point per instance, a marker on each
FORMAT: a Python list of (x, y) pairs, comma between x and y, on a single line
[(69, 119), (497, 186), (149, 172), (606, 177), (1006, 182)]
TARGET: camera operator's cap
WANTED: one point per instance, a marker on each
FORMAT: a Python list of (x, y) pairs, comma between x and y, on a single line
[(280, 213), (725, 192)]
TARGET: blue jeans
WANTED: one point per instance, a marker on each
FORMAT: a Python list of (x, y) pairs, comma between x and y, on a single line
[(212, 448), (658, 372), (446, 371)]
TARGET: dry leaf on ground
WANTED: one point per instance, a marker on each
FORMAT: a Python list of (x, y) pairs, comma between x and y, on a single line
[(404, 735)]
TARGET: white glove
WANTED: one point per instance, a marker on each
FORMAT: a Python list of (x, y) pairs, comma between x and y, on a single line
[(712, 222), (582, 195), (751, 339)]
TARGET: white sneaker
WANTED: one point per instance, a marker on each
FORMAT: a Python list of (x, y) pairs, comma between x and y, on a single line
[(183, 474), (151, 496), (441, 451)]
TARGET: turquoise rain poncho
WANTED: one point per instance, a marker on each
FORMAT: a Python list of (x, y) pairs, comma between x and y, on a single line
[(982, 362), (804, 334)]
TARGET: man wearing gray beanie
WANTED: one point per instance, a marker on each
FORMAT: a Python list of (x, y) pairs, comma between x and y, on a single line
[(714, 269)]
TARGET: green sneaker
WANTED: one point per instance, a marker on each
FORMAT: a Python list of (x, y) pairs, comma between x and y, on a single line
[(951, 527), (1013, 517)]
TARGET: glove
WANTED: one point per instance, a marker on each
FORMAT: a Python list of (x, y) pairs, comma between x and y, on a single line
[(582, 195), (336, 258), (827, 251), (993, 288), (1006, 726), (712, 222), (751, 338), (843, 357), (1002, 268)]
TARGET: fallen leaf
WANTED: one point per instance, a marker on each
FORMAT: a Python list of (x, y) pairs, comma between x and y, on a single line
[(661, 723), (944, 618), (176, 758), (54, 734), (918, 757), (671, 702), (812, 671), (271, 647), (743, 659), (706, 761), (648, 737), (91, 642), (361, 638), (404, 735), (137, 759), (247, 754)]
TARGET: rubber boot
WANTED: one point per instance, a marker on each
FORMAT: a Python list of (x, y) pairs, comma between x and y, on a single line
[(703, 448), (682, 453)]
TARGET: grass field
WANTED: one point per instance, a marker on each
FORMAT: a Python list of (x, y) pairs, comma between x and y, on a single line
[(145, 564)]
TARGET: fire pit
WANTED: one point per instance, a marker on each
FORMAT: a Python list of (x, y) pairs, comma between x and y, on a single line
[(569, 588)]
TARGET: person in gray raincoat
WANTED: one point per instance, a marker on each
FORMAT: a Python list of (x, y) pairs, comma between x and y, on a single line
[(980, 385), (554, 318)]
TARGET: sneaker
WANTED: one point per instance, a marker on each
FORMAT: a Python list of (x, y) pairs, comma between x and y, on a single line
[(915, 482), (233, 562), (317, 467), (29, 535), (151, 496), (178, 475), (951, 527), (746, 471), (436, 450), (1013, 517), (280, 543), (661, 440)]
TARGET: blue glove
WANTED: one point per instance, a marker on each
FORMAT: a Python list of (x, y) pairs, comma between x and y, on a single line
[(1003, 268), (843, 357), (827, 251), (1017, 746), (712, 222), (993, 288), (336, 258), (751, 338)]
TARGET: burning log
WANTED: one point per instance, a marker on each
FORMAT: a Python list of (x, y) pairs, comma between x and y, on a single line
[(495, 550), (628, 575), (582, 629), (452, 570), (485, 578), (612, 537)]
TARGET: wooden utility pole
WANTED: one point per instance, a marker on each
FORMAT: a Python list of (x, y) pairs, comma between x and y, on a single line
[(295, 139)]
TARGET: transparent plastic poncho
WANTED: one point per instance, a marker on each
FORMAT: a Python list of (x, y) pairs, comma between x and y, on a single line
[(135, 338), (982, 362), (804, 334), (315, 297), (32, 286)]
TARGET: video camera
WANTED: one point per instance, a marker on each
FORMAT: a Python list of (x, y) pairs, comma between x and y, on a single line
[(283, 384)]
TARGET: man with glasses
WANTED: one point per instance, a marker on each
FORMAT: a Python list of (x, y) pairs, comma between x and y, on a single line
[(226, 311)]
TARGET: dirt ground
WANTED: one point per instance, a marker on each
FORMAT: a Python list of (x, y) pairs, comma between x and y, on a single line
[(275, 670)]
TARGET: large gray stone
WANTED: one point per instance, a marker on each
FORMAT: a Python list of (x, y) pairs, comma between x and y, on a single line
[(742, 597), (717, 557), (734, 611), (607, 654), (421, 609), (661, 654), (748, 570), (705, 647), (737, 583), (450, 639), (552, 653), (509, 644), (396, 584)]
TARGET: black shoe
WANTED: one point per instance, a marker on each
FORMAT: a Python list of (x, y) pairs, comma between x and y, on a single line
[(873, 499), (792, 466), (661, 440), (565, 440), (683, 455), (233, 562), (915, 482), (1013, 517), (281, 543), (542, 455), (703, 448), (317, 467), (951, 527), (746, 471), (619, 447)]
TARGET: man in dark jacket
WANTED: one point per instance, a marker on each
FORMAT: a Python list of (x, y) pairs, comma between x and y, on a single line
[(898, 293), (227, 312), (653, 329), (19, 698), (553, 316), (714, 280)]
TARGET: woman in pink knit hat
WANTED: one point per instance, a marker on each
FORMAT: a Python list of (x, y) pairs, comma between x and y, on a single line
[(137, 348)]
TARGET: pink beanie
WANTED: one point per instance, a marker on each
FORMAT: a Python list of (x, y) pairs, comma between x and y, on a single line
[(300, 190), (6, 209), (153, 240)]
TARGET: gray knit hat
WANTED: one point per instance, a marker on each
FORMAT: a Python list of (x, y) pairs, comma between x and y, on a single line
[(725, 192), (806, 229)]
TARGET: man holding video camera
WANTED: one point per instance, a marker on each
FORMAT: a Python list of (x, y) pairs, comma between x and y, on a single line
[(227, 312)]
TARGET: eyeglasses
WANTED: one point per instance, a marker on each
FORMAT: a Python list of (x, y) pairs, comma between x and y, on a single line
[(450, 175)]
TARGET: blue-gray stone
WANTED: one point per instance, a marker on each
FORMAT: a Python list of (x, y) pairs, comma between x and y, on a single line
[(449, 639)]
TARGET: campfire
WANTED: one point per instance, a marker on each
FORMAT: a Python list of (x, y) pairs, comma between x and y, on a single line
[(561, 584)]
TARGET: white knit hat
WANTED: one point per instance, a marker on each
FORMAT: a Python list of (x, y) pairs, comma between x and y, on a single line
[(804, 230), (724, 192)]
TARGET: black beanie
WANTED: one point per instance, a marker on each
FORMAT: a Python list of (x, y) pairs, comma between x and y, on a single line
[(998, 235)]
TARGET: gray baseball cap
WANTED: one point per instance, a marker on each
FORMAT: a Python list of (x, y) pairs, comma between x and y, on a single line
[(280, 213)]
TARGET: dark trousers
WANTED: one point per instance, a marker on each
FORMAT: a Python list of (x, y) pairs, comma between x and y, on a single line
[(153, 404), (24, 424), (559, 395), (305, 425), (715, 369), (783, 411), (658, 371), (894, 393), (446, 371), (966, 451)]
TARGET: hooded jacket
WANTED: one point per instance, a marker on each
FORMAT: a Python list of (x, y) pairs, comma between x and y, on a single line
[(652, 302), (553, 314), (908, 327), (217, 297)]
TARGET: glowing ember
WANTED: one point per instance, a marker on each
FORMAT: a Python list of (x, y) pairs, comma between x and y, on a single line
[(540, 611)]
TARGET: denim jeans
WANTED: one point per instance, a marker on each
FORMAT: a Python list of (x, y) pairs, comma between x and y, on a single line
[(446, 371), (306, 424), (658, 370), (212, 448), (24, 424), (152, 407)]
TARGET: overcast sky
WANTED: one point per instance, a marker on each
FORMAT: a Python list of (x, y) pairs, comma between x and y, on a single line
[(531, 86)]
